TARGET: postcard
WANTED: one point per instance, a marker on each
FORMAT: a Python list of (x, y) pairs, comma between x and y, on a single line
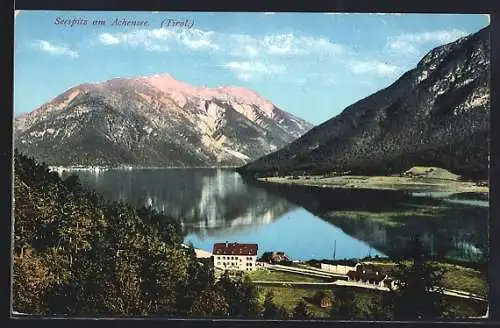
[(251, 165)]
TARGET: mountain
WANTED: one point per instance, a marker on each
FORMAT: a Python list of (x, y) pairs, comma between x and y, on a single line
[(155, 121), (435, 114)]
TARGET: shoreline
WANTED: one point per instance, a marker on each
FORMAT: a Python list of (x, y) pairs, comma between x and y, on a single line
[(412, 184), (131, 167)]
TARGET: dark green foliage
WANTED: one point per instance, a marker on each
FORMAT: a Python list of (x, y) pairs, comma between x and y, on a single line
[(418, 293), (300, 312), (406, 124), (270, 308), (241, 295), (200, 276), (344, 305), (76, 254), (282, 313), (209, 303)]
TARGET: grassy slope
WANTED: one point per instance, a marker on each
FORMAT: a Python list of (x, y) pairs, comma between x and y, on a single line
[(419, 179), (289, 297), (456, 277), (267, 275)]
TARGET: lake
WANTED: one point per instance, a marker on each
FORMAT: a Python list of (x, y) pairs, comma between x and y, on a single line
[(218, 205)]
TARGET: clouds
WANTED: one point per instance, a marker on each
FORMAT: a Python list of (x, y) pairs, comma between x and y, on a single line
[(252, 56), (246, 70), (247, 56), (293, 54), (160, 40), (55, 50), (372, 68), (286, 44), (239, 45), (410, 42)]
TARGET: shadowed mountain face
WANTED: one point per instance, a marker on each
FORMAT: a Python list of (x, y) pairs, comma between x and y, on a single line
[(155, 121), (387, 220), (436, 114)]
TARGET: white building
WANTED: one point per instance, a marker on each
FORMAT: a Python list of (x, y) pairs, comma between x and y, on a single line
[(338, 269), (235, 256)]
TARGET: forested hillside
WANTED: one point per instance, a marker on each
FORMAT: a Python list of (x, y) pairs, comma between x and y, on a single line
[(437, 114), (78, 254)]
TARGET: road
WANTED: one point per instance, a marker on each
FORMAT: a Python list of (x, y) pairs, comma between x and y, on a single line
[(453, 293), (315, 272), (308, 272)]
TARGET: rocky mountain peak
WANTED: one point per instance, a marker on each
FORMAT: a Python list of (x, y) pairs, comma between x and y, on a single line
[(436, 114), (156, 120)]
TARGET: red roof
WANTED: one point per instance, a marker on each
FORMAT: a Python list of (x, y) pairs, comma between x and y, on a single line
[(235, 249)]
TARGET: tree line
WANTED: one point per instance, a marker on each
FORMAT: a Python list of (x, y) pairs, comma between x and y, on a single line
[(76, 253), (79, 254)]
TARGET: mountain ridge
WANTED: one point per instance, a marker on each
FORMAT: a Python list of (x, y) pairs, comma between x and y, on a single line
[(155, 120), (435, 114)]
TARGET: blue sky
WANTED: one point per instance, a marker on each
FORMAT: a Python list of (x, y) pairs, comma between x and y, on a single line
[(310, 64)]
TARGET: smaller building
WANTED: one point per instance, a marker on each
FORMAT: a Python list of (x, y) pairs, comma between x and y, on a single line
[(371, 275), (337, 268), (234, 256), (371, 278), (274, 257), (202, 254)]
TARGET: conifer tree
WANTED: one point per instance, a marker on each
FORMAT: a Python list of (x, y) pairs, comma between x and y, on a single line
[(270, 309), (300, 311), (418, 293)]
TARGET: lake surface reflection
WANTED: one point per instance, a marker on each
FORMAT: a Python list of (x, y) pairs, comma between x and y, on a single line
[(216, 205)]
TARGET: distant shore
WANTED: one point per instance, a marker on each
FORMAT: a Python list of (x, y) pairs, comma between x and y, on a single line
[(129, 167), (417, 184)]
